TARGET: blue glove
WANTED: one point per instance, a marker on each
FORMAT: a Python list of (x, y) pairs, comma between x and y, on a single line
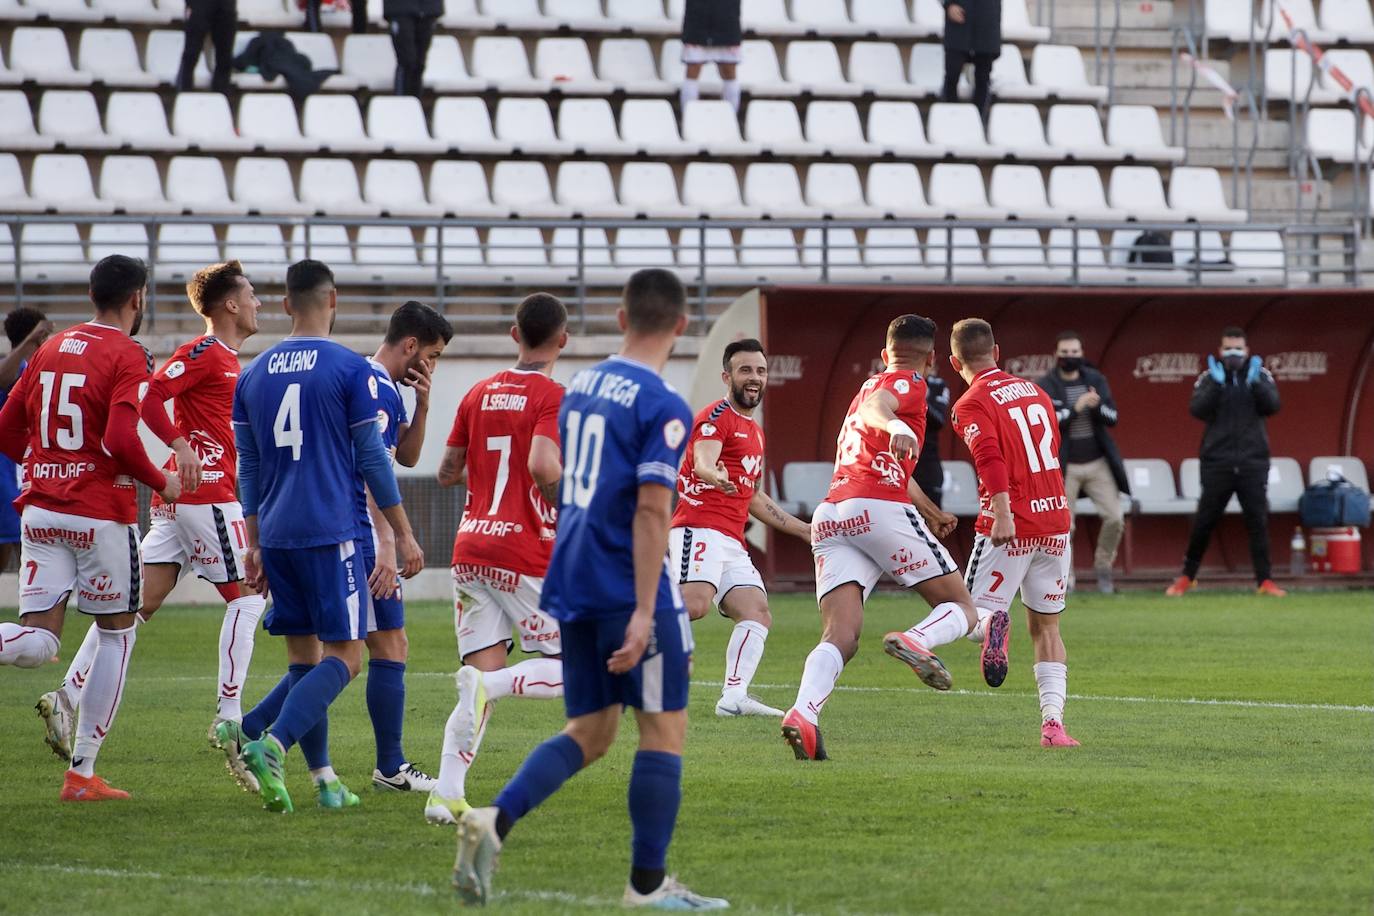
[(1252, 372), (1216, 370)]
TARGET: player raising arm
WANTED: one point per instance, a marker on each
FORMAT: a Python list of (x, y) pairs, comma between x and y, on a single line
[(73, 421), (717, 492), (626, 637), (1022, 540), (505, 442)]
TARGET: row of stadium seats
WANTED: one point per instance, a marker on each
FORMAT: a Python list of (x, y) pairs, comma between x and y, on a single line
[(61, 182), (924, 18), (267, 121), (1340, 21), (56, 253), (1289, 75), (805, 483), (111, 56)]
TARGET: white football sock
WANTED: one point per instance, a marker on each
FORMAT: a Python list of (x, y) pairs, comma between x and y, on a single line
[(823, 667), (690, 91), (536, 678), (944, 624), (980, 628), (730, 91), (26, 647), (1052, 680), (323, 774), (453, 764), (80, 668), (235, 652), (100, 698), (742, 656)]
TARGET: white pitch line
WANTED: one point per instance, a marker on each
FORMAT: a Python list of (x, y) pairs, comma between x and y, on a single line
[(1087, 697)]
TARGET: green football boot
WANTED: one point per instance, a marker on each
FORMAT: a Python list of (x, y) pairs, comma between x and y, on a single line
[(264, 759), (332, 793), (228, 736)]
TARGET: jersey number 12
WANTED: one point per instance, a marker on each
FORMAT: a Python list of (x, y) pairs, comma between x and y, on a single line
[(586, 436), (1036, 415)]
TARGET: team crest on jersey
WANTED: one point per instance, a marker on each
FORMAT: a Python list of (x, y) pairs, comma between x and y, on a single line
[(708, 429), (902, 386), (673, 432), (372, 386), (174, 369), (887, 465), (383, 421), (206, 448), (752, 464)]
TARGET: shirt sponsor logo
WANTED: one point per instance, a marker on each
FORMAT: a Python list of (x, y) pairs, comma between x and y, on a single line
[(844, 527), (1052, 546), (885, 464), (206, 448), (372, 386), (1049, 504), (59, 470), (503, 580), (300, 361), (504, 401), (69, 537), (535, 629), (970, 433), (673, 432), (174, 370), (1296, 365), (383, 421), (1029, 365), (708, 429), (490, 527), (101, 589), (1167, 367), (753, 464), (783, 369)]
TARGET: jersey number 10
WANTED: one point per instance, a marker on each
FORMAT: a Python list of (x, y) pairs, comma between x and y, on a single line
[(586, 436)]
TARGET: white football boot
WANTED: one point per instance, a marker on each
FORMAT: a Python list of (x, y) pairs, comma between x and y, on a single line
[(409, 778), (57, 717), (479, 852), (740, 704), (672, 895)]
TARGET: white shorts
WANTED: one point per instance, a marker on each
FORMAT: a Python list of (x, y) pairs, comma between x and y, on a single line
[(1039, 567), (711, 556), (712, 54), (858, 540), (209, 540), (99, 560), (488, 602)]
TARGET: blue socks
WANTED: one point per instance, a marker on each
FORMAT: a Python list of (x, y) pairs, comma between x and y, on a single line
[(269, 707), (546, 769), (655, 794), (386, 705), (307, 705)]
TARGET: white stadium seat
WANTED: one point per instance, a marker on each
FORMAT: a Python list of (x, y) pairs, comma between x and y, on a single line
[(715, 249), (1192, 247), (516, 246), (133, 185), (465, 125), (41, 54), (1020, 191), (926, 68), (139, 121), (835, 126), (1259, 256), (814, 66), (895, 128), (319, 47), (334, 120), (399, 122), (371, 60), (388, 254), (771, 254), (1009, 79), (1353, 62), (523, 188), (1016, 128), (876, 67), (446, 70), (1059, 69), (517, 15), (1352, 20), (1137, 131), (8, 77), (956, 190), (330, 187), (627, 64), (260, 246), (17, 117), (643, 247), (110, 57), (463, 14), (1016, 24), (891, 18), (396, 188), (1288, 77), (595, 249), (577, 15), (1077, 129), (586, 189), (527, 125), (196, 184), (642, 17), (184, 248), (1231, 21), (834, 189), (835, 248), (501, 61), (767, 17), (825, 17), (759, 70), (895, 188), (268, 14), (1138, 191), (461, 248), (650, 189), (1330, 135), (204, 121), (264, 185), (14, 198), (957, 251), (895, 254), (1197, 194), (1077, 189), (268, 120), (773, 125), (712, 189), (105, 239), (712, 128), (650, 126), (325, 243), (162, 58), (589, 126), (1083, 248), (1018, 254), (567, 65), (1303, 16), (52, 253), (63, 182), (958, 127), (1348, 466), (460, 187), (773, 188), (806, 483)]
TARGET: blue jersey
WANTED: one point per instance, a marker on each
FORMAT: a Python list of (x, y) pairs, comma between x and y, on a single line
[(621, 426), (391, 413), (301, 400)]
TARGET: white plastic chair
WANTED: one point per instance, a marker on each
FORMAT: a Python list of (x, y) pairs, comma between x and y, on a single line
[(132, 184), (567, 65), (527, 125), (397, 189), (1139, 192), (184, 248), (589, 126), (268, 120), (643, 247), (1016, 127), (110, 57), (650, 189), (1060, 69), (1197, 193), (958, 127), (1020, 191), (773, 188), (460, 187), (895, 188), (264, 185), (895, 128), (1136, 129), (445, 68), (63, 182), (650, 126), (69, 116), (586, 189), (773, 124), (14, 197), (956, 189), (1077, 129), (876, 67), (203, 119), (260, 246), (523, 188), (712, 189), (465, 125), (711, 127), (330, 187), (834, 189), (399, 122), (105, 239), (1077, 189), (334, 120), (371, 60), (197, 184), (814, 66), (52, 253), (628, 64), (41, 54), (501, 61), (835, 126)]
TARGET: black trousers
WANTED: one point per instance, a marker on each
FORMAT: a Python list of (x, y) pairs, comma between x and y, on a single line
[(312, 16), (219, 20), (410, 36), (1250, 484), (982, 72)]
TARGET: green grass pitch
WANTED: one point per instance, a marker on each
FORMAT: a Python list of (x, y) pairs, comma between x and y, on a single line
[(1259, 802)]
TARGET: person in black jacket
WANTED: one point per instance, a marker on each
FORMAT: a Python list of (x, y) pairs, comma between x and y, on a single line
[(930, 474), (711, 34), (1233, 397), (357, 7), (412, 28), (1088, 456), (219, 20), (973, 31)]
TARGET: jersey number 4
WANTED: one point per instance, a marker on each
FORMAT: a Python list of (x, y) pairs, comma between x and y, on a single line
[(1036, 415), (71, 438), (586, 436), (286, 428)]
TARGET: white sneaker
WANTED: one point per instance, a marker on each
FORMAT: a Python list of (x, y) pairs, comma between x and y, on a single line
[(440, 810), (57, 718), (671, 895), (409, 778), (479, 852), (472, 699), (744, 705)]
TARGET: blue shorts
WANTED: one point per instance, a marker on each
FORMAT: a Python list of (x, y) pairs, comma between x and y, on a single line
[(316, 591), (382, 613), (9, 489), (657, 684)]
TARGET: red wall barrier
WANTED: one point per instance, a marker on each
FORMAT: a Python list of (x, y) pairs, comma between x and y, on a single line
[(1151, 344)]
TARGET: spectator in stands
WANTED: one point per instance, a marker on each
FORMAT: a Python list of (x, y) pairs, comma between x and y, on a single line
[(973, 32), (1088, 458), (1233, 397), (358, 8), (219, 20), (412, 28), (711, 35), (26, 328), (930, 474)]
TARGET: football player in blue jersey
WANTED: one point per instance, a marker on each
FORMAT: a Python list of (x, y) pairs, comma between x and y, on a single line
[(305, 421), (626, 637)]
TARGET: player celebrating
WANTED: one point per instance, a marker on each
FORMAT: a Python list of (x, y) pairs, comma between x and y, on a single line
[(73, 420), (1022, 537), (505, 441), (717, 492), (867, 527), (626, 637), (204, 530), (305, 421)]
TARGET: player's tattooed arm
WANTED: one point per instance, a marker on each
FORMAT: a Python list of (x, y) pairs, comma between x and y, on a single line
[(453, 467), (708, 467), (879, 411), (763, 508), (546, 467)]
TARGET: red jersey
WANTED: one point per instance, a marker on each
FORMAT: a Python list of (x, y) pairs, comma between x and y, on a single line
[(200, 379), (863, 465), (741, 450), (68, 391), (1010, 427), (506, 522)]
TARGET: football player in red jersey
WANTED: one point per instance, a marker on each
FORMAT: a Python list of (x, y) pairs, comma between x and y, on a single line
[(1022, 540), (505, 447), (73, 421), (204, 531), (876, 520), (718, 490)]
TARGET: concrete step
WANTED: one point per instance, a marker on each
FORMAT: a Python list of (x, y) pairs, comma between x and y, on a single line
[(1136, 69), (1157, 15), (1141, 39)]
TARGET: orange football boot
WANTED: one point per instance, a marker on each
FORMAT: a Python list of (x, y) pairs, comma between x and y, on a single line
[(76, 787), (804, 738), (1181, 584)]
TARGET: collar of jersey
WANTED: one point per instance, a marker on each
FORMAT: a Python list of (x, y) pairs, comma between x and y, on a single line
[(385, 376), (731, 404), (985, 373), (97, 324), (633, 362)]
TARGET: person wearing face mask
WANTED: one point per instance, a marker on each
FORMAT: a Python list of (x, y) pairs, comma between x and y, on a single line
[(1233, 397), (1088, 457)]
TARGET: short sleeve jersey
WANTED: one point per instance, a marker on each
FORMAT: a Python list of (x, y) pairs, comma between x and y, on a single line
[(622, 426), (69, 389), (301, 399), (1016, 418), (391, 414), (701, 505), (864, 468), (506, 522), (200, 377)]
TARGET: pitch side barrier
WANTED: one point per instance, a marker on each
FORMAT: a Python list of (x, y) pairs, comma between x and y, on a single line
[(1151, 344)]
